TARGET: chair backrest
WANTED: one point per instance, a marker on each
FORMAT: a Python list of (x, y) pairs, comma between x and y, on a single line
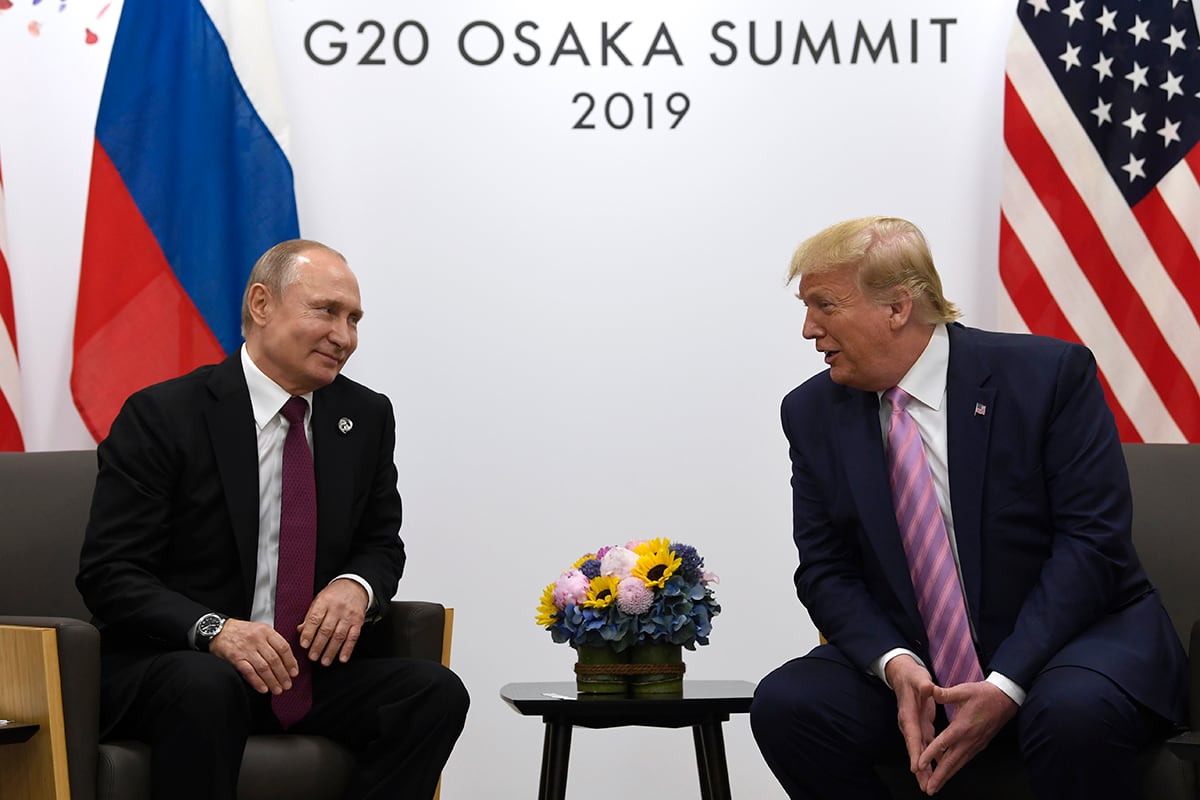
[(1165, 479), (45, 500)]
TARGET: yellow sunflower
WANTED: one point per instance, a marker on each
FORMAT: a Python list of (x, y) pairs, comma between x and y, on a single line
[(547, 612), (656, 566), (651, 546), (602, 592)]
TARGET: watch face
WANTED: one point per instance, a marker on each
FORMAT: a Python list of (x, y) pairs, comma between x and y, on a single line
[(210, 625)]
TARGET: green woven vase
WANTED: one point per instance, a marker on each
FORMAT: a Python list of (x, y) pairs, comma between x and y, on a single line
[(592, 675), (666, 681)]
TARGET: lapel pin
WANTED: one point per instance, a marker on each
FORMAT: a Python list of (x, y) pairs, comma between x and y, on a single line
[(345, 423), (980, 410)]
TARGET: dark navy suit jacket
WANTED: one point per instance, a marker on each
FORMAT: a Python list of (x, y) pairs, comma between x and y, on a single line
[(1042, 515), (174, 525)]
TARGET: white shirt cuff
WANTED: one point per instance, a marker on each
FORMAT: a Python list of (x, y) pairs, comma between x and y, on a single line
[(1004, 684), (878, 665), (363, 583)]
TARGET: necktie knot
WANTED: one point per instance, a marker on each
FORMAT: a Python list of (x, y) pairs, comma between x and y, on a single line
[(293, 410), (897, 397)]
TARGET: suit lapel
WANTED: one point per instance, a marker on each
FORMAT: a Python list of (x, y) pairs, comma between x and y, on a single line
[(335, 443), (861, 442), (970, 407), (234, 442)]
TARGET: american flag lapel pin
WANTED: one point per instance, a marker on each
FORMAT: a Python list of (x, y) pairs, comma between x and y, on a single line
[(980, 410)]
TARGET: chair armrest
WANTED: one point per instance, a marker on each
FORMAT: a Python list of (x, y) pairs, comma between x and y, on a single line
[(79, 674), (1186, 745), (1194, 674), (416, 629)]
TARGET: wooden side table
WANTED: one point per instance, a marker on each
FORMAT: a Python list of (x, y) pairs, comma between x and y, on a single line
[(703, 706), (14, 732)]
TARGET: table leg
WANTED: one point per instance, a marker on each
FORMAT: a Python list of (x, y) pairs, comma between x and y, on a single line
[(701, 764), (710, 758), (556, 752)]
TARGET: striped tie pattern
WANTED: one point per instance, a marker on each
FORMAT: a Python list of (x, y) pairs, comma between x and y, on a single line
[(927, 546)]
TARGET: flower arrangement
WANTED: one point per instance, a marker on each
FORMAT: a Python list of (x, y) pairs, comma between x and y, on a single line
[(653, 591)]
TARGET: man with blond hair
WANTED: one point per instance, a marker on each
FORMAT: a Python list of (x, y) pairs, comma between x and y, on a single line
[(962, 515)]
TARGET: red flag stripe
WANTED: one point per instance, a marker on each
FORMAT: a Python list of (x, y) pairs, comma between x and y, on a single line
[(1095, 258), (1075, 299), (10, 375), (1040, 312), (1172, 245)]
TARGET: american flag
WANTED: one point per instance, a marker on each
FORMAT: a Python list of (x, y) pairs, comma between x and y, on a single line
[(1100, 206), (10, 375)]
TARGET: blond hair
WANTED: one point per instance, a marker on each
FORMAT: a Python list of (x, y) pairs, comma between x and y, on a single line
[(887, 254)]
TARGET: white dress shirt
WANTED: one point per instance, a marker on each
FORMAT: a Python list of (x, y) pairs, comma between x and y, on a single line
[(925, 383)]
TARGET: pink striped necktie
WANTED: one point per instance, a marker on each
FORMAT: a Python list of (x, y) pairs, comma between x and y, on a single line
[(297, 554), (927, 546)]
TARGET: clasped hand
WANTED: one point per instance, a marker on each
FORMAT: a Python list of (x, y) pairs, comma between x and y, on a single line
[(330, 630), (982, 709)]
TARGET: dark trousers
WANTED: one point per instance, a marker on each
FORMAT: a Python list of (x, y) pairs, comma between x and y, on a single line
[(399, 716), (822, 726)]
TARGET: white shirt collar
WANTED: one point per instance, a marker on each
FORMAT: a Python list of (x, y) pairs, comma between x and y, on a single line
[(926, 379), (266, 396)]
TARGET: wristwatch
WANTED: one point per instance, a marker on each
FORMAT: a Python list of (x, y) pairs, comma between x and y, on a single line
[(207, 629)]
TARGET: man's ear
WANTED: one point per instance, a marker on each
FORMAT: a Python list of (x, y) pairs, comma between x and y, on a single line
[(261, 304), (900, 309)]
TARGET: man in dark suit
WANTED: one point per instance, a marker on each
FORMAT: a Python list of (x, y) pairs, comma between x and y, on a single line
[(181, 561), (1073, 655)]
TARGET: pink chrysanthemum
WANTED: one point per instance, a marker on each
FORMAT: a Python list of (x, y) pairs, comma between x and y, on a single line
[(571, 588), (633, 596)]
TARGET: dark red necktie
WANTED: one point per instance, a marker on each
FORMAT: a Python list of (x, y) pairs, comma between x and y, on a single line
[(297, 553)]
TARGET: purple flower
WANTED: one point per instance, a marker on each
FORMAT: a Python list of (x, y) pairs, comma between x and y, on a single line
[(692, 565)]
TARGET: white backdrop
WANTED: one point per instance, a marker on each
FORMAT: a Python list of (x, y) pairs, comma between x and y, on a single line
[(585, 332)]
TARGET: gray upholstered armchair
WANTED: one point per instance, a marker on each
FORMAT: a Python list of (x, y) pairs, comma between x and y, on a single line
[(53, 680), (1165, 479)]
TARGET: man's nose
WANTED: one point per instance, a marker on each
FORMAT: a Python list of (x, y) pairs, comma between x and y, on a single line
[(811, 329), (340, 332)]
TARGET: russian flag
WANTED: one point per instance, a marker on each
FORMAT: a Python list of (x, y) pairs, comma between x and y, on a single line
[(190, 184)]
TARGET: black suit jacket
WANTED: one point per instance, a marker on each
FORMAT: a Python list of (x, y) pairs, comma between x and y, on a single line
[(174, 525), (1042, 517)]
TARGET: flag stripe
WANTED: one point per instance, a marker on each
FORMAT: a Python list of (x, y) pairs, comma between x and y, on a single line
[(1038, 309), (11, 438), (1171, 244), (1172, 213)]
